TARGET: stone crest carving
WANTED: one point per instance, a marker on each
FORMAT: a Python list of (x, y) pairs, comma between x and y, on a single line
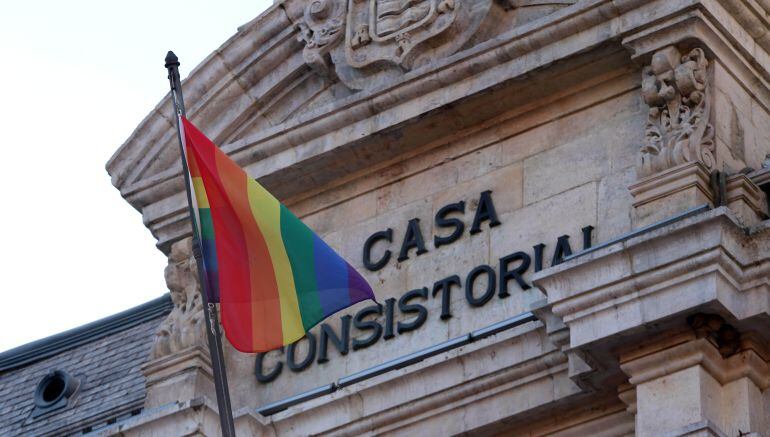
[(384, 38), (389, 30), (185, 326), (321, 27), (678, 129)]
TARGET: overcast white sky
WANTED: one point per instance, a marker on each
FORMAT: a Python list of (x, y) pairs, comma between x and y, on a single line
[(76, 77)]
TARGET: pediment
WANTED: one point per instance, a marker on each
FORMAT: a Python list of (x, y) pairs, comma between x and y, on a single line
[(269, 74), (278, 102)]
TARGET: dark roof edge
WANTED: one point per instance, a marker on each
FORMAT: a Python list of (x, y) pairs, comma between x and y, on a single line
[(57, 343)]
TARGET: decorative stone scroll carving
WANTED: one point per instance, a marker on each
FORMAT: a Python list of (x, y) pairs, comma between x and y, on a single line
[(321, 27), (385, 38), (678, 129), (185, 326)]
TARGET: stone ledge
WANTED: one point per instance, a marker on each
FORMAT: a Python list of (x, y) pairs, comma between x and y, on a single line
[(698, 262), (367, 404), (180, 376), (669, 192), (745, 199), (197, 416), (657, 363)]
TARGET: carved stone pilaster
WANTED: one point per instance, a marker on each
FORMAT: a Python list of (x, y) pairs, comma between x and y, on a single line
[(185, 325), (678, 131), (180, 367), (683, 383)]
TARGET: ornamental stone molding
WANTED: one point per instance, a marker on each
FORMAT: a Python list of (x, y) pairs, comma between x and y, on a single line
[(667, 313), (321, 27), (711, 392), (678, 129), (179, 368), (185, 326), (365, 43), (360, 115), (261, 96)]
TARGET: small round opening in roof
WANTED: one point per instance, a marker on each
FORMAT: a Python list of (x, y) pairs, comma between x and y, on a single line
[(55, 386), (53, 390)]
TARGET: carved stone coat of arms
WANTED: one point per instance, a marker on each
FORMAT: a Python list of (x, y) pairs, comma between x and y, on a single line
[(368, 41), (364, 43)]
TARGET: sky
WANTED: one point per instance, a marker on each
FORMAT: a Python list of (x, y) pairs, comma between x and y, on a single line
[(76, 78)]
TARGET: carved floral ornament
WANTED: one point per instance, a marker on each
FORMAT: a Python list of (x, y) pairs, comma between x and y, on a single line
[(678, 131), (362, 42)]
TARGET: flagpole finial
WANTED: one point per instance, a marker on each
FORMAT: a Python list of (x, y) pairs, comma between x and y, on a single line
[(171, 60), (172, 65)]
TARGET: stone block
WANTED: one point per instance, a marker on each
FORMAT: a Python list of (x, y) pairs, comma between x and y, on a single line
[(559, 169), (669, 192), (745, 199), (543, 222), (614, 205), (675, 401), (418, 186), (760, 119), (181, 376), (343, 215), (505, 183)]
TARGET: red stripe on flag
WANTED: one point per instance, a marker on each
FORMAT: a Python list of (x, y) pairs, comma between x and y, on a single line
[(265, 300), (243, 320)]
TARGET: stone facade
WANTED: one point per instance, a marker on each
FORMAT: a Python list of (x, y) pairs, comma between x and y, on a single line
[(600, 163)]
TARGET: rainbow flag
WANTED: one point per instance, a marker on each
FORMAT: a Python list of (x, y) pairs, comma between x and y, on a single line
[(273, 277)]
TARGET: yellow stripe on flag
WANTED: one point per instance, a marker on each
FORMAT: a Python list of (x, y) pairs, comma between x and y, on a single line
[(200, 192), (267, 213)]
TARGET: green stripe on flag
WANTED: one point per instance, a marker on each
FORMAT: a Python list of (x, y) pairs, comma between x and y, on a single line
[(298, 240)]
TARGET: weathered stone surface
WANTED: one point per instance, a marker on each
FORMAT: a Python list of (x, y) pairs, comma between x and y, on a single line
[(185, 326), (670, 192), (678, 130), (362, 118)]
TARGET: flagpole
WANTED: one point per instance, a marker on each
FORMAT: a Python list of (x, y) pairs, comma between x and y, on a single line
[(210, 310)]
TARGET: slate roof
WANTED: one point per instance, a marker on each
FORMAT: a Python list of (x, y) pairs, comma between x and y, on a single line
[(106, 356)]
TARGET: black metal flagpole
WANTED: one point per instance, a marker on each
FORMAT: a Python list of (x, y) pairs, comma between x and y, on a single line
[(212, 320)]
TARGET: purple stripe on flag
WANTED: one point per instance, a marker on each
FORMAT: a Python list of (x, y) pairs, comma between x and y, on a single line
[(331, 278), (358, 288)]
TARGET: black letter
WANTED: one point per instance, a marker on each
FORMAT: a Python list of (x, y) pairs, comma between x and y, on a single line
[(405, 308), (261, 377), (291, 360), (340, 343), (485, 211), (382, 235), (506, 275), (562, 250), (361, 325), (443, 222), (413, 238), (587, 237), (539, 256), (445, 287), (389, 311), (477, 302)]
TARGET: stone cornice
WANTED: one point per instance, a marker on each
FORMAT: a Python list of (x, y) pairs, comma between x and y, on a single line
[(691, 352), (701, 261), (196, 416), (230, 85), (503, 365), (169, 366), (508, 365)]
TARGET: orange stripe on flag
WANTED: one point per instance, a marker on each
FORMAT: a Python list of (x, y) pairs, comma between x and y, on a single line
[(265, 303)]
